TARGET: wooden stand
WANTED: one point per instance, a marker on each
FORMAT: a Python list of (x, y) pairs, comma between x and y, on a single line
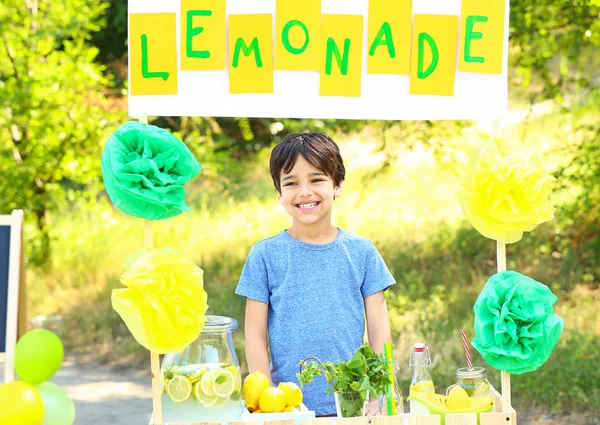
[(157, 378), (501, 265)]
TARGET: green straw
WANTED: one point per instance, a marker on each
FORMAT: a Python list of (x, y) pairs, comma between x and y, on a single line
[(389, 363)]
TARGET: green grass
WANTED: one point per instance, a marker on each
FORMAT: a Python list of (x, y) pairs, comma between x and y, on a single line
[(411, 214)]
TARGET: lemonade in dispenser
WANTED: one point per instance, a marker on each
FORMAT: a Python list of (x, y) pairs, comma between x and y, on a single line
[(204, 382)]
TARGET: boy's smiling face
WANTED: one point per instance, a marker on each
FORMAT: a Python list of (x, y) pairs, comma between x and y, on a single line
[(307, 194)]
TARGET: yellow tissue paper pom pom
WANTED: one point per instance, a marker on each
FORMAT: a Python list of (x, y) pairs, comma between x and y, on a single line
[(505, 191), (164, 303)]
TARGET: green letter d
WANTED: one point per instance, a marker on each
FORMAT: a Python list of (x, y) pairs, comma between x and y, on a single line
[(424, 37)]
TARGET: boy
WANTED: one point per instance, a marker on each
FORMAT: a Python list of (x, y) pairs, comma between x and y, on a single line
[(309, 287)]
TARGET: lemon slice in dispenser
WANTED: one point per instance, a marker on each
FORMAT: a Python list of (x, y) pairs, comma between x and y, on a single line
[(204, 399), (206, 382), (223, 383), (220, 402), (179, 389), (238, 377)]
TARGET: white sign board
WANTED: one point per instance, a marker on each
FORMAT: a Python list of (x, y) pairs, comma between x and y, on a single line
[(344, 59)]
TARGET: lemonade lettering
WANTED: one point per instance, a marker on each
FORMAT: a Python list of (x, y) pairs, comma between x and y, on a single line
[(302, 44)]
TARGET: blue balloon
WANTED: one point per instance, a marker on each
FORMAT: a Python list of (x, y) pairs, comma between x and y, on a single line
[(58, 407)]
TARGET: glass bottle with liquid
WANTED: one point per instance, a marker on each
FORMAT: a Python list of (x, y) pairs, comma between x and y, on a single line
[(421, 382)]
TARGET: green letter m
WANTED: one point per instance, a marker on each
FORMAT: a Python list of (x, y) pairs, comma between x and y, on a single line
[(246, 50)]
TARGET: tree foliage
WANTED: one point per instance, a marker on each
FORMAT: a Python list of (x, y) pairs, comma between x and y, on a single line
[(63, 82), (52, 108)]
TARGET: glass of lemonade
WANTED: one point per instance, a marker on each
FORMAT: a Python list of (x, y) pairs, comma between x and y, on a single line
[(474, 382), (203, 383)]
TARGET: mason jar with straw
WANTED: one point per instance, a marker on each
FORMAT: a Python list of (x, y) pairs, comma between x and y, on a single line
[(472, 379)]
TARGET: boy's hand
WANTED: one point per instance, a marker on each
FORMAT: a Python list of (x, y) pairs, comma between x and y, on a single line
[(372, 408)]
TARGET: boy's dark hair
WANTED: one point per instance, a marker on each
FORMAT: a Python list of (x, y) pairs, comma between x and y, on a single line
[(317, 148)]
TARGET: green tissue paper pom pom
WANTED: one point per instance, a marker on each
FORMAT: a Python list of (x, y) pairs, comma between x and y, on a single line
[(145, 168), (516, 329)]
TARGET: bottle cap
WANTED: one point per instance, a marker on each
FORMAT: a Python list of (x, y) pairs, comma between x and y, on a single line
[(419, 347), (420, 355)]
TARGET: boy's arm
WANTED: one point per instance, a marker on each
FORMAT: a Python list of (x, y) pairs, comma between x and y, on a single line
[(378, 322), (256, 337)]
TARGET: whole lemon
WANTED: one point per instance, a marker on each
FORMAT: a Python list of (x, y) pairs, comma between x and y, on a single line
[(458, 398), (254, 384), (272, 400), (293, 393)]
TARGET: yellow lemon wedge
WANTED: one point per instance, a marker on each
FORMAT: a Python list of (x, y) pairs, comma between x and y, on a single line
[(458, 399)]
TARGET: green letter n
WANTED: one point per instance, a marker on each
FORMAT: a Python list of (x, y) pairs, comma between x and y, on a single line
[(240, 44), (192, 31), (342, 61), (424, 37)]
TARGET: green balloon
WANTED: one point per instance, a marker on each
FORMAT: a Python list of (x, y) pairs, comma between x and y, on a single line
[(58, 407), (38, 356)]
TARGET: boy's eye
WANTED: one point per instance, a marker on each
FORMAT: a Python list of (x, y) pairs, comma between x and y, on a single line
[(289, 184), (318, 180)]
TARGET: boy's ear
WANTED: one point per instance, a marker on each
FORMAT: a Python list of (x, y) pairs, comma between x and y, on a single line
[(338, 191)]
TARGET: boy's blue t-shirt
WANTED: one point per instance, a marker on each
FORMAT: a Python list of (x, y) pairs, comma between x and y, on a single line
[(316, 298)]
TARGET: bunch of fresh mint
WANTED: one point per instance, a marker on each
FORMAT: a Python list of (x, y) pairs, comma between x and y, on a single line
[(364, 373)]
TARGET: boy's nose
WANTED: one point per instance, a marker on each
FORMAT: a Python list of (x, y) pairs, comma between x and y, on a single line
[(305, 191)]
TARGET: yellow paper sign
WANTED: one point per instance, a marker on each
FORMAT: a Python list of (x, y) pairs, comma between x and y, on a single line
[(341, 61), (481, 36), (433, 57), (202, 35), (251, 53), (297, 35), (153, 53), (390, 26)]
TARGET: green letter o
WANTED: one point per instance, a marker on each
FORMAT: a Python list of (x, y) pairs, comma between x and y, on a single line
[(286, 39)]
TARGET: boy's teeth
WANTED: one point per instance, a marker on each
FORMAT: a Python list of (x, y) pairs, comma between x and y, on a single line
[(314, 204)]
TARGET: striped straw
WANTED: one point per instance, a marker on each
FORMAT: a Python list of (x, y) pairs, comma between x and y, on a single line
[(466, 345), (389, 391)]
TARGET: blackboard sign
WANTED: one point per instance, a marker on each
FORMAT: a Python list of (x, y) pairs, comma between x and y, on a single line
[(4, 264), (12, 290)]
